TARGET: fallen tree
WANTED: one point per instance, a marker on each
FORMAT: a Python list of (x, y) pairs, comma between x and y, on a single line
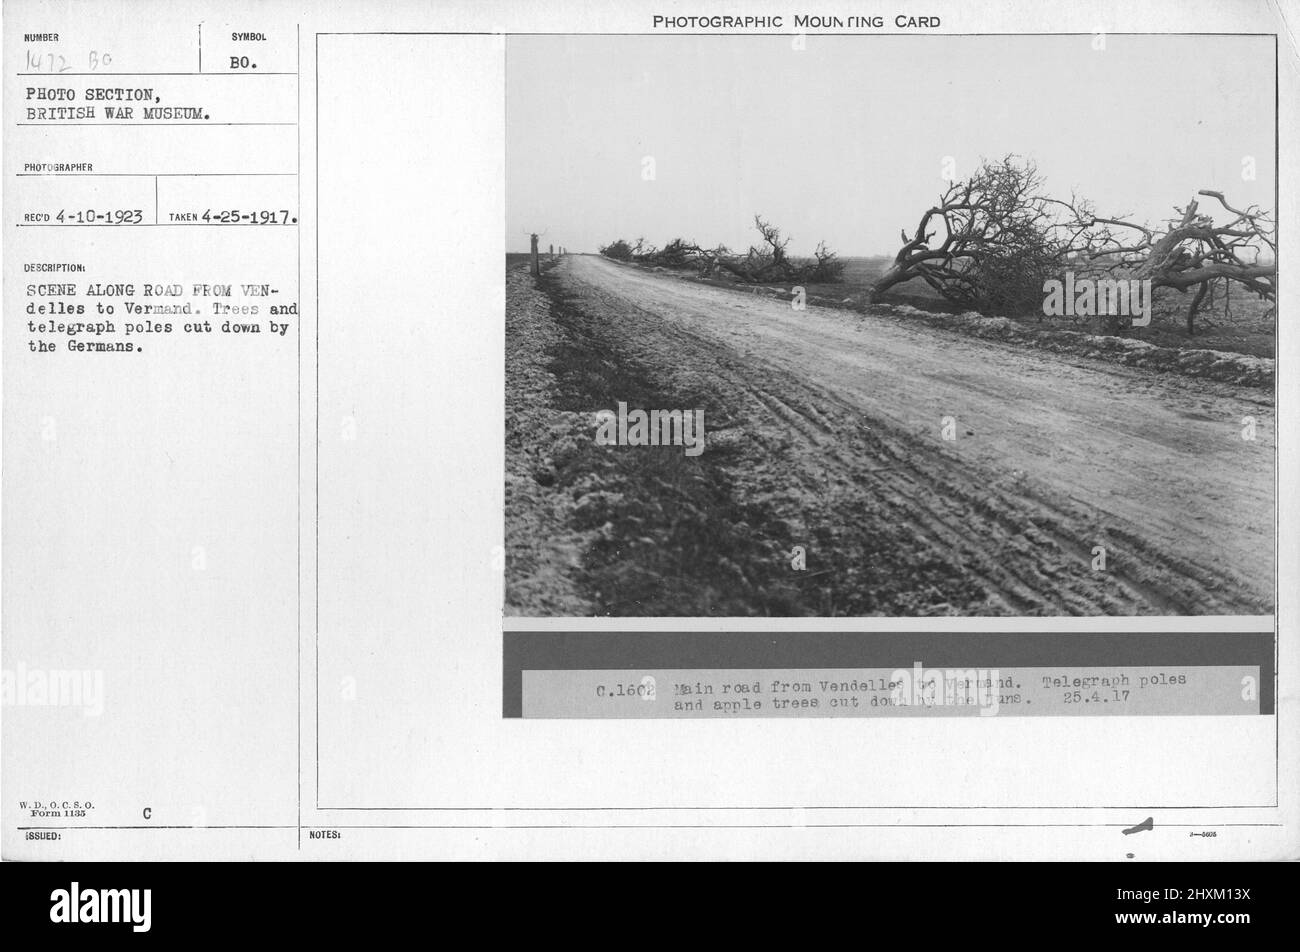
[(991, 242), (987, 244), (1190, 252), (764, 263), (618, 249)]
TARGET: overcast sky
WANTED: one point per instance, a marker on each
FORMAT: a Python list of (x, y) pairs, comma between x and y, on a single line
[(845, 140)]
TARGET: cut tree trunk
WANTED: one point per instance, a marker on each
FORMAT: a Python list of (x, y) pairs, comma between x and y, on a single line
[(1195, 305)]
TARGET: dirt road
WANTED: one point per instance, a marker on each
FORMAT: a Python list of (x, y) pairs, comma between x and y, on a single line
[(829, 428)]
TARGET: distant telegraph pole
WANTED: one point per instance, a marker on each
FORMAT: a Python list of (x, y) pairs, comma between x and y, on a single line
[(536, 264)]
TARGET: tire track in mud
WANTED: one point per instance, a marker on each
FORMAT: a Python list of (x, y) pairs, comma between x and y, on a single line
[(920, 495), (892, 523), (667, 534)]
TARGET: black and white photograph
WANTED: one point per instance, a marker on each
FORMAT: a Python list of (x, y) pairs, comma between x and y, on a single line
[(837, 326)]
